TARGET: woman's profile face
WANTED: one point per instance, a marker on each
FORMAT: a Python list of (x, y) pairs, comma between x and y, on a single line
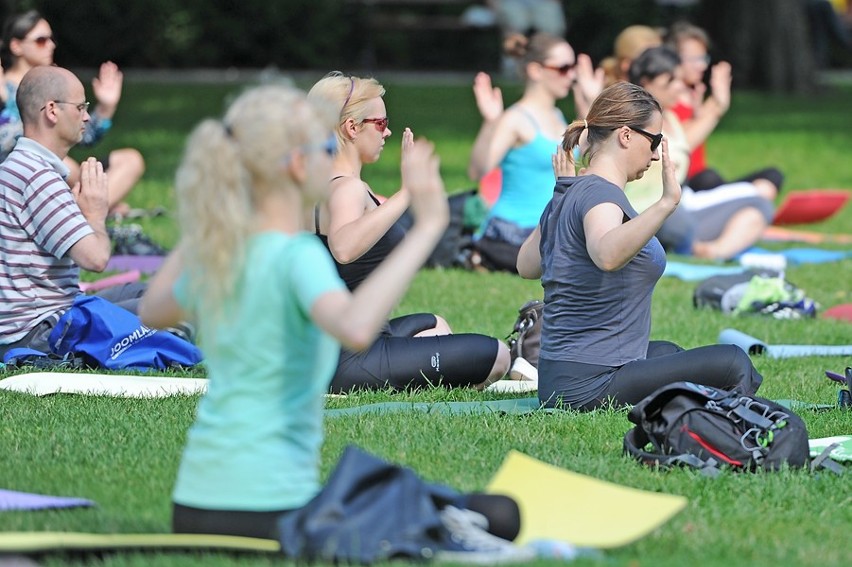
[(667, 88), (694, 60), (373, 131), (559, 69), (37, 47)]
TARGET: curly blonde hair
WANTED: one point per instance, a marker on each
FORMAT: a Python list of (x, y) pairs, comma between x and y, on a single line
[(225, 165)]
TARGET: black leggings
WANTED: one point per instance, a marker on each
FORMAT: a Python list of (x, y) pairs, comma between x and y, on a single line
[(722, 366), (710, 178), (399, 360), (504, 518)]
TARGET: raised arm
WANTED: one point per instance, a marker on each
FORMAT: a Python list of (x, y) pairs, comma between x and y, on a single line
[(356, 318), (587, 87), (489, 101), (711, 110), (354, 225), (611, 242)]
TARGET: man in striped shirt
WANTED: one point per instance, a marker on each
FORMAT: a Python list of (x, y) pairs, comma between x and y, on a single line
[(48, 230)]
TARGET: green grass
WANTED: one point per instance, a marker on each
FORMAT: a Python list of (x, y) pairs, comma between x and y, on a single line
[(124, 454)]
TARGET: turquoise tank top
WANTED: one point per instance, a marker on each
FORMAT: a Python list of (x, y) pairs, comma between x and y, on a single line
[(528, 179)]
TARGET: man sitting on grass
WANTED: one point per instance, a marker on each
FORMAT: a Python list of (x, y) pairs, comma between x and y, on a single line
[(49, 230)]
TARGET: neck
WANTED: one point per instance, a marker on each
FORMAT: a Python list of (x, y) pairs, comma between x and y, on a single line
[(607, 167), (535, 95), (347, 162), (279, 210), (16, 72), (56, 146)]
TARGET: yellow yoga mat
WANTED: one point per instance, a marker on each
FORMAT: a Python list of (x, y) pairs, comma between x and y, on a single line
[(584, 511), (42, 542)]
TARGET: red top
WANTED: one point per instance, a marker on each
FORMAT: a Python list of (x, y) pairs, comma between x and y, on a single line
[(697, 160)]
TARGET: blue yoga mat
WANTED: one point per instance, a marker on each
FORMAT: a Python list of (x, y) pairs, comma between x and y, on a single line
[(14, 500), (798, 256), (755, 346), (695, 272)]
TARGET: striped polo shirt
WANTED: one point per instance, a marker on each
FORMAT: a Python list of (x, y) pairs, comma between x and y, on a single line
[(39, 222)]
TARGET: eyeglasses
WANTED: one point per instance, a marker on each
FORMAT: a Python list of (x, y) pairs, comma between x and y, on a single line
[(656, 139), (381, 123), (329, 147), (704, 59), (561, 69), (81, 106), (41, 40)]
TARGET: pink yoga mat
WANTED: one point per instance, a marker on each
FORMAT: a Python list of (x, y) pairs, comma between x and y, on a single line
[(145, 264), (109, 281)]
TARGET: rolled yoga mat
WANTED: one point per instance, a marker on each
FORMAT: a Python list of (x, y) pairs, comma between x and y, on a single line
[(757, 347)]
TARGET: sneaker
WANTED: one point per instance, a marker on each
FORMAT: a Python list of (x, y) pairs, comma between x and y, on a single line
[(469, 542), (523, 370), (129, 240)]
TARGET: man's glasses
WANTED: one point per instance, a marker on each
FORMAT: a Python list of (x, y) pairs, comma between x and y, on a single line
[(81, 106), (561, 69), (42, 40), (656, 139), (381, 123)]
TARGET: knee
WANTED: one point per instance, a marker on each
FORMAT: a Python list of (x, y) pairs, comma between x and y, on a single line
[(128, 159), (441, 326), (502, 361)]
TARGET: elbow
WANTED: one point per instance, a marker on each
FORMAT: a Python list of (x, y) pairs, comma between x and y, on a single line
[(95, 263), (528, 272), (356, 339), (609, 264), (343, 254)]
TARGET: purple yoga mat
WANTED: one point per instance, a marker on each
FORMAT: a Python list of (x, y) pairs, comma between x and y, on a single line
[(12, 500), (145, 264)]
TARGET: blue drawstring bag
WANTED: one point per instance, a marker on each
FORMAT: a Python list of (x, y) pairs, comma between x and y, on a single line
[(108, 336)]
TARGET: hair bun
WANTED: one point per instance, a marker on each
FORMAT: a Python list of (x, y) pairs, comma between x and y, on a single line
[(516, 44)]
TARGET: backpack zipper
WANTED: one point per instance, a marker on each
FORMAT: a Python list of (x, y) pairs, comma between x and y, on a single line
[(715, 452)]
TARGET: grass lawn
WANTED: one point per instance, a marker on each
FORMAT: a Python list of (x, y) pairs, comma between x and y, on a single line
[(124, 454)]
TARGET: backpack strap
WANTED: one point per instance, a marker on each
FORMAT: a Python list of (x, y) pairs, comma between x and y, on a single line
[(824, 461), (636, 438)]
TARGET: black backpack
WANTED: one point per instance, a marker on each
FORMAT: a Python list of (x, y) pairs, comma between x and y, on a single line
[(723, 293), (525, 338), (707, 428)]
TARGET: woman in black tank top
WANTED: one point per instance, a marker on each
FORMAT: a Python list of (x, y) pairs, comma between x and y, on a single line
[(360, 230)]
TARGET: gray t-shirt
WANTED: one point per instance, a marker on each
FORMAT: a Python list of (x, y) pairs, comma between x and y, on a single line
[(590, 315)]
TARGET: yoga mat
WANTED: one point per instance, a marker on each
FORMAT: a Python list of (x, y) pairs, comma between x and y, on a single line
[(119, 385), (14, 500), (799, 256), (513, 386), (562, 505), (755, 346), (42, 542), (695, 272), (109, 281), (842, 312), (843, 452), (145, 264), (517, 406), (800, 207), (798, 405), (779, 234)]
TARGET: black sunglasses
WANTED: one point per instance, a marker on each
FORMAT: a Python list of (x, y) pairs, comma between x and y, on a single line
[(656, 139)]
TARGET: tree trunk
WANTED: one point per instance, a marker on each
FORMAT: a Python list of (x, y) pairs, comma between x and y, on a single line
[(766, 41)]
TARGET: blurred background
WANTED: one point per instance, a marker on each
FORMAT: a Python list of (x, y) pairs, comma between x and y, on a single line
[(772, 44)]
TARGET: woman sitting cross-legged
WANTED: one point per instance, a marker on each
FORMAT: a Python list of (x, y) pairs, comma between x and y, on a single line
[(360, 231), (599, 261)]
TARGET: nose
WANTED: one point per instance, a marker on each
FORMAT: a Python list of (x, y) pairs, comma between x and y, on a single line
[(386, 134)]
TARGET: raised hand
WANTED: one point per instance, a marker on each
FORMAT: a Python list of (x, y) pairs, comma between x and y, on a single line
[(563, 163), (588, 85), (91, 192), (107, 88), (429, 202), (720, 85), (671, 186), (489, 99), (405, 153)]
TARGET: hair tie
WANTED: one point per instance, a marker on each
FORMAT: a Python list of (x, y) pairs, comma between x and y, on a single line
[(585, 124), (351, 90)]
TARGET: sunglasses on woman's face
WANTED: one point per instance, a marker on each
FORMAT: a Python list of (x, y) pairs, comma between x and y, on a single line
[(42, 40), (561, 69), (381, 123), (656, 139)]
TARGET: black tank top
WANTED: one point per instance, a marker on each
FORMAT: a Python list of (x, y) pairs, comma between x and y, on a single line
[(356, 272)]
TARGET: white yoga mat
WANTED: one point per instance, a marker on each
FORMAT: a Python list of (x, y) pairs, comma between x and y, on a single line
[(513, 386), (118, 385)]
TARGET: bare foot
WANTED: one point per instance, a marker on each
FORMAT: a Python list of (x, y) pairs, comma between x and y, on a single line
[(704, 250)]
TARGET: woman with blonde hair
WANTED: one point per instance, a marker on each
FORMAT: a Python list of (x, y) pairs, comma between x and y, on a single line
[(599, 261), (628, 45), (360, 231), (271, 310), (520, 140)]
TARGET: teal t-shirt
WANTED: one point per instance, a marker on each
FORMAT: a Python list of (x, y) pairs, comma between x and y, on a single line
[(256, 440)]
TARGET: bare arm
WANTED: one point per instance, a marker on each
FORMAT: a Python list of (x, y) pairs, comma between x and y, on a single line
[(587, 87), (356, 318), (489, 101), (612, 243), (107, 87), (158, 308), (92, 252), (529, 257), (354, 225)]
